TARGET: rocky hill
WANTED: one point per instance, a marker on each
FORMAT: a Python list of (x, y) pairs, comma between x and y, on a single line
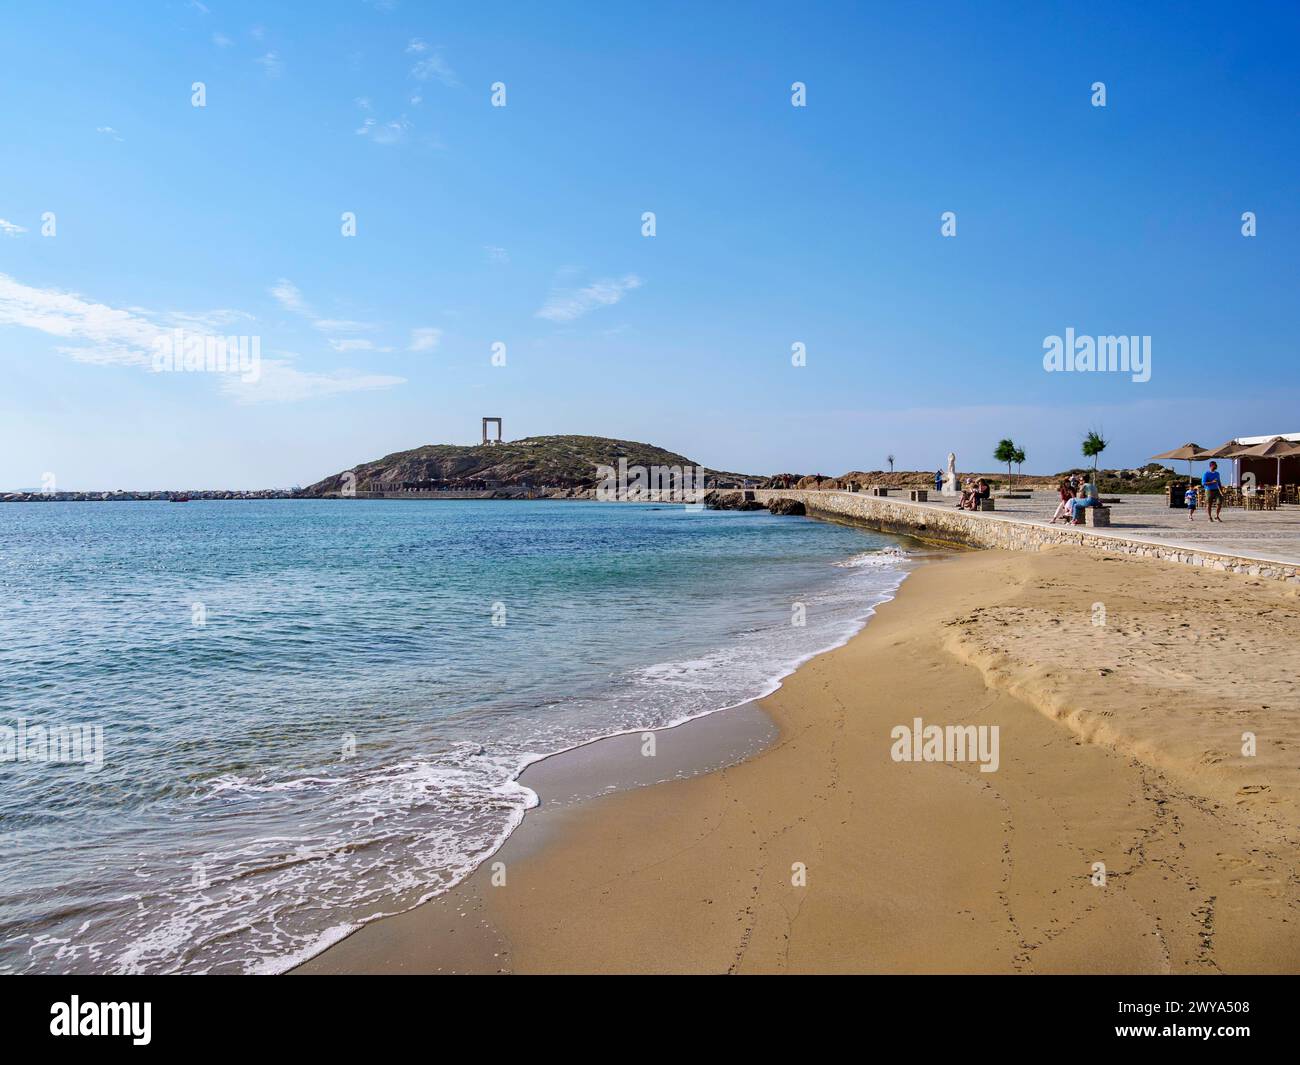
[(567, 466), (538, 462)]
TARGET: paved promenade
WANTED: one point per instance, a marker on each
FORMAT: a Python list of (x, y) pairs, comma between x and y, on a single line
[(1265, 534), (1255, 542)]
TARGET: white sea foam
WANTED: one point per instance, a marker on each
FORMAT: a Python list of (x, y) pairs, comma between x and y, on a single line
[(887, 558), (667, 694)]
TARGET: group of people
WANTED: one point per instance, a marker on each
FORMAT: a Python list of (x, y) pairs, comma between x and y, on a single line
[(973, 493), (1211, 488), (1076, 494), (974, 490)]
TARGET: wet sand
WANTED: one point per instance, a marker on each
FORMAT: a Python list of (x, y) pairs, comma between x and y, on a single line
[(1123, 830)]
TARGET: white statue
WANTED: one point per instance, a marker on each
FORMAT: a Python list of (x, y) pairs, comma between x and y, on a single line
[(950, 478)]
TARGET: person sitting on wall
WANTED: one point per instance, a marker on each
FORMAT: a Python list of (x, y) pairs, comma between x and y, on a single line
[(1087, 497), (975, 492), (1065, 494)]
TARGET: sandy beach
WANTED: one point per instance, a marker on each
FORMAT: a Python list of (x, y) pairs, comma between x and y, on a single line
[(1123, 829)]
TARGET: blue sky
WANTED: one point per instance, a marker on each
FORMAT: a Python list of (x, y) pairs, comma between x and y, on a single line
[(522, 225)]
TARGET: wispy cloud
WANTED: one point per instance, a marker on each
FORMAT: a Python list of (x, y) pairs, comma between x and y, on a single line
[(393, 132), (270, 63), (108, 131), (566, 305), (98, 333), (11, 229), (340, 325), (355, 344), (495, 254), (289, 296), (425, 338), (109, 336), (431, 64), (281, 382), (221, 40)]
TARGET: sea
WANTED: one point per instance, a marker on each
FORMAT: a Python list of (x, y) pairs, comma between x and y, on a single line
[(232, 732)]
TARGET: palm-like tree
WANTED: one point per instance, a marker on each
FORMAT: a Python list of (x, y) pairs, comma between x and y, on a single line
[(890, 460), (1005, 452), (1093, 446), (1019, 459)]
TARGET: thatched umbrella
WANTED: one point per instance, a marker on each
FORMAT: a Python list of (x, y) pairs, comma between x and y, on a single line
[(1228, 450), (1278, 448), (1188, 452), (1224, 451)]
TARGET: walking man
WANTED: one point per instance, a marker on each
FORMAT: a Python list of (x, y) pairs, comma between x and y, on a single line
[(1213, 492)]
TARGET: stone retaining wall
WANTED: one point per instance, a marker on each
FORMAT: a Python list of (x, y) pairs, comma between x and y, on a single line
[(950, 525)]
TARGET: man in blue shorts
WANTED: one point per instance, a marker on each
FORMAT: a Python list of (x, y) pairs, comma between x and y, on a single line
[(1213, 492)]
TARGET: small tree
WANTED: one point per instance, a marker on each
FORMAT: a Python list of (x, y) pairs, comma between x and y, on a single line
[(1005, 452), (1019, 460), (1093, 446), (890, 460)]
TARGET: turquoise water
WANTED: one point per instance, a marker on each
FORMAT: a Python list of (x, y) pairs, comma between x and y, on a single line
[(309, 717)]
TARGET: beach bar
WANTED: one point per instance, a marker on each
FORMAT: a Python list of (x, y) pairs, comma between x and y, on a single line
[(1256, 461), (1275, 469)]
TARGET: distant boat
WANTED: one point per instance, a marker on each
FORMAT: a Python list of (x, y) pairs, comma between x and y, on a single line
[(180, 499)]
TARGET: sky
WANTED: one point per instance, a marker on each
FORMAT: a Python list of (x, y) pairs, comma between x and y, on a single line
[(127, 212)]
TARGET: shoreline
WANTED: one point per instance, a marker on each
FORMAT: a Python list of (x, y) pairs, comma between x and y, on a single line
[(565, 782), (913, 867), (592, 770), (718, 738)]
